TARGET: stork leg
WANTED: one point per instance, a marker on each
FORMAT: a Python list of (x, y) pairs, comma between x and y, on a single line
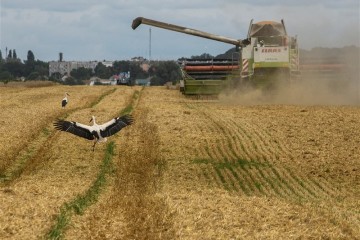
[(93, 147)]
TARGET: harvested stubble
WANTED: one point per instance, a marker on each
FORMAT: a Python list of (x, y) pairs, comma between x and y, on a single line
[(298, 196), (192, 169), (65, 169), (131, 207), (26, 112)]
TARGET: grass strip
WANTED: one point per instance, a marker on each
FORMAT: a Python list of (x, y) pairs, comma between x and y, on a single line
[(130, 107), (94, 103), (81, 202)]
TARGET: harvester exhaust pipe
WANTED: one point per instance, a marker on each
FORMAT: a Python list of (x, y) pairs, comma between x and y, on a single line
[(283, 23), (140, 20)]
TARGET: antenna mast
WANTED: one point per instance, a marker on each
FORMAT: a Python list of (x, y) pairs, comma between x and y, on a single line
[(149, 44)]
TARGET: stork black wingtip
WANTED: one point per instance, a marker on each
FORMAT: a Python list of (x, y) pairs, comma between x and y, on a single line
[(128, 119)]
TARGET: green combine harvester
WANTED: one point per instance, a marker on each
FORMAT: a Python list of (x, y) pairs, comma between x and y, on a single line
[(266, 57)]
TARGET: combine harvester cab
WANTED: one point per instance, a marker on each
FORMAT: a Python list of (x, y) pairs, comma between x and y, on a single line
[(271, 56), (267, 54)]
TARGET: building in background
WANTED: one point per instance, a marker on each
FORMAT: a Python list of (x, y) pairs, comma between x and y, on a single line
[(65, 67)]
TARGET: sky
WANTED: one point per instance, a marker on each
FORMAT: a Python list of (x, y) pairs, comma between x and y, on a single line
[(88, 30)]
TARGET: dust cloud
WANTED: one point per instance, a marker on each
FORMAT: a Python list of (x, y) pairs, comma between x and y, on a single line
[(324, 80), (308, 90)]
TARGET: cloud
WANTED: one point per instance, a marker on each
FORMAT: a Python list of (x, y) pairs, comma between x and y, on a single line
[(97, 30)]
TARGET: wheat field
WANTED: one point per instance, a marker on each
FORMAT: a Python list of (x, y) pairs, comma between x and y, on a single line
[(186, 169)]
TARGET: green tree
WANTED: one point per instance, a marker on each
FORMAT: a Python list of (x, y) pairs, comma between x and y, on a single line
[(56, 76), (15, 68), (6, 76), (10, 54), (14, 56), (102, 71), (34, 76), (203, 56), (136, 71), (30, 57), (29, 63), (72, 81), (121, 66), (42, 68), (164, 71), (81, 73), (1, 57)]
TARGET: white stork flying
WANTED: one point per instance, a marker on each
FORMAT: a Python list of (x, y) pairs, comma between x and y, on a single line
[(96, 132), (65, 100)]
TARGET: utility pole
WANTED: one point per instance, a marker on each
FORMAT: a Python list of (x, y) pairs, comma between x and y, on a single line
[(149, 44)]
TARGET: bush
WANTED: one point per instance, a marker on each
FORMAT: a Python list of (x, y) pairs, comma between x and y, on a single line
[(33, 76), (73, 81), (6, 76)]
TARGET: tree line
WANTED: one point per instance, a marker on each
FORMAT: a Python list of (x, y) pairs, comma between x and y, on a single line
[(12, 69), (160, 72)]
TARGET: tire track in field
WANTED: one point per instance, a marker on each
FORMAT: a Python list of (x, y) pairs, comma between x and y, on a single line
[(258, 175), (296, 183), (32, 154), (79, 205), (131, 207), (229, 160), (246, 159), (271, 153), (310, 184), (286, 180), (221, 161), (138, 174), (53, 174), (206, 156), (251, 151)]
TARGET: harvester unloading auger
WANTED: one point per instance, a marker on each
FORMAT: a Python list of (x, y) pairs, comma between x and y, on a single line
[(267, 56)]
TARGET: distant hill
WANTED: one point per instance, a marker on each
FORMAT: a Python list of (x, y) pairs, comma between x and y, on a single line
[(226, 55), (319, 55)]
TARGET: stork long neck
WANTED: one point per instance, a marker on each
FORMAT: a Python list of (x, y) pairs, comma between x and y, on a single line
[(94, 121)]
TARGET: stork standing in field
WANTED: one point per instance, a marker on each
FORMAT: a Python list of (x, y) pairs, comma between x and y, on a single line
[(98, 133), (65, 100)]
